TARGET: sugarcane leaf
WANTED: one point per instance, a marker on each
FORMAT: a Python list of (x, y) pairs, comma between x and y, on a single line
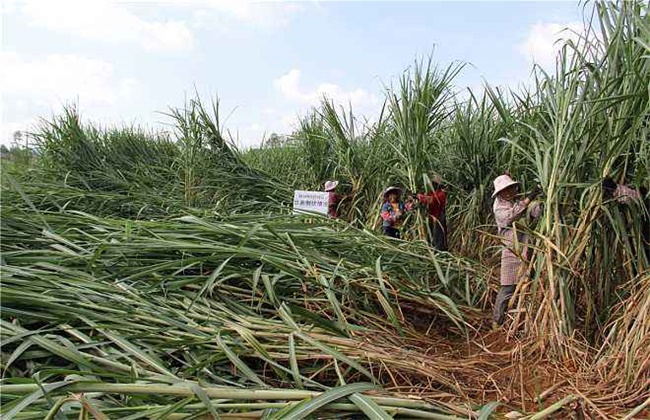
[(143, 356), (369, 407), (22, 347), (487, 410), (32, 398), (335, 353), (309, 406), (199, 392), (92, 409), (209, 282), (293, 362), (235, 360)]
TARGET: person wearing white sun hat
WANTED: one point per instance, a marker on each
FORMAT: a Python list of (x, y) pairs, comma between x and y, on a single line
[(514, 249), (333, 199), (393, 211)]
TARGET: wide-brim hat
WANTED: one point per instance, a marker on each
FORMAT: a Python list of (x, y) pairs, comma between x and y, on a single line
[(391, 189), (501, 183), (330, 185), (436, 179)]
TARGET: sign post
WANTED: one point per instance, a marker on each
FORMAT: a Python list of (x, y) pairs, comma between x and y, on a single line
[(310, 202)]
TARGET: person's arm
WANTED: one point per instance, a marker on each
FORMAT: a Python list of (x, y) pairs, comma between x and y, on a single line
[(424, 199), (535, 210), (505, 214), (386, 213), (625, 194), (442, 198)]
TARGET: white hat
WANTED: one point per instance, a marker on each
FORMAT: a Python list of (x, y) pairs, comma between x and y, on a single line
[(330, 185), (436, 179), (391, 188), (502, 182)]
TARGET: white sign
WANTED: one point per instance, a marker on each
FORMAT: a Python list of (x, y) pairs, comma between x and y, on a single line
[(310, 201)]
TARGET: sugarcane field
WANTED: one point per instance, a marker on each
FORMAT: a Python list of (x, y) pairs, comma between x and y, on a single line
[(463, 254)]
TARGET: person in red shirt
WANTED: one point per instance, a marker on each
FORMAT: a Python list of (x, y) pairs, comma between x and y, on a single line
[(334, 199), (435, 202)]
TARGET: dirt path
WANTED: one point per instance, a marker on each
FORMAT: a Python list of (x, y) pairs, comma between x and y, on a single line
[(492, 366)]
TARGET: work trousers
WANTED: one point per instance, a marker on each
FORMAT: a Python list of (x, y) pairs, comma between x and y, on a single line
[(501, 305), (437, 232), (391, 231)]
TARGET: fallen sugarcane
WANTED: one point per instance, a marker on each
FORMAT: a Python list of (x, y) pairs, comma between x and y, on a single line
[(222, 399)]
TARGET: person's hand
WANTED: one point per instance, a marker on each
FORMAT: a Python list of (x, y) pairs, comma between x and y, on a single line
[(534, 193)]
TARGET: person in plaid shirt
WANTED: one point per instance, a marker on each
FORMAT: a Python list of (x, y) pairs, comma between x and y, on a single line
[(514, 250)]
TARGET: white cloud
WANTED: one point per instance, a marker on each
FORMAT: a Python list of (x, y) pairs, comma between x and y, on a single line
[(221, 13), (36, 87), (8, 6), (289, 86), (61, 77), (109, 22), (542, 42)]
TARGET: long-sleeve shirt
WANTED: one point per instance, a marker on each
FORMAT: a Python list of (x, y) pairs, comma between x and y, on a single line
[(390, 213), (333, 204), (514, 249), (625, 195), (507, 212), (435, 202)]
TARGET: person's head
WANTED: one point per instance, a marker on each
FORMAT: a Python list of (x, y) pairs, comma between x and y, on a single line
[(331, 185), (392, 194), (436, 181), (509, 193), (609, 187), (505, 187)]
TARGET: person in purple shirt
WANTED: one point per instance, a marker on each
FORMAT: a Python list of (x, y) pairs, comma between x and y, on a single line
[(334, 199)]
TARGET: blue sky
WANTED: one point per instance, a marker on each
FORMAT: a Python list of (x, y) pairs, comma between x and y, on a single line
[(124, 62)]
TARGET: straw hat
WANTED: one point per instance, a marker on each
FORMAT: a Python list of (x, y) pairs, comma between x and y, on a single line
[(330, 185), (436, 179), (501, 183), (390, 189)]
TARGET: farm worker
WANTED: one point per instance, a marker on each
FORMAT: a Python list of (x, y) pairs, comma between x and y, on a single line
[(514, 250), (621, 193), (393, 212), (435, 202), (624, 196), (333, 199)]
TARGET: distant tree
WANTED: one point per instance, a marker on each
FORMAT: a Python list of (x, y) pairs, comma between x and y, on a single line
[(275, 140), (18, 139)]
